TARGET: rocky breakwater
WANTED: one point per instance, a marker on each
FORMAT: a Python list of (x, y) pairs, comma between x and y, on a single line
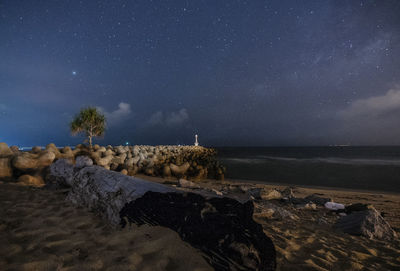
[(189, 162), (30, 168)]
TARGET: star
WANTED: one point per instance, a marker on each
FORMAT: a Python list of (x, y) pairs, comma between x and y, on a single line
[(74, 73)]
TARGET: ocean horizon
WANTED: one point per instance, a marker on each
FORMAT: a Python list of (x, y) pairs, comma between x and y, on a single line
[(374, 168)]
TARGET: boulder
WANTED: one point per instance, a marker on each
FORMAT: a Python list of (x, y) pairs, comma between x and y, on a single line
[(45, 159), (317, 199), (356, 207), (287, 193), (271, 194), (31, 180), (187, 184), (5, 168), (166, 171), (124, 171), (105, 161), (179, 171), (5, 150), (83, 161), (367, 223), (14, 149), (25, 161), (36, 149), (255, 192)]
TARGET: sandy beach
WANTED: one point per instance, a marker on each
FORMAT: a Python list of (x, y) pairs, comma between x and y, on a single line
[(39, 230), (310, 243)]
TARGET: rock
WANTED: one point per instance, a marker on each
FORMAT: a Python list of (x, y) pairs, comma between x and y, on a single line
[(5, 150), (83, 161), (166, 171), (105, 161), (271, 194), (368, 223), (270, 210), (124, 171), (255, 192), (133, 170), (287, 193), (14, 149), (31, 180), (25, 161), (45, 159), (62, 172), (356, 207), (36, 149), (219, 193), (179, 170), (5, 168), (187, 184), (307, 206), (317, 199)]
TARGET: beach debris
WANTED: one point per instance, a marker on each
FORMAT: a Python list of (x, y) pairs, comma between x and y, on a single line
[(317, 199), (367, 223), (221, 227), (334, 206)]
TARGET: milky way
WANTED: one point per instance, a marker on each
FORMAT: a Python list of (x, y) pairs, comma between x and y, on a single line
[(233, 72)]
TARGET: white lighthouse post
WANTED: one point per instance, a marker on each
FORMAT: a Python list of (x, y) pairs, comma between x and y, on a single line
[(196, 143)]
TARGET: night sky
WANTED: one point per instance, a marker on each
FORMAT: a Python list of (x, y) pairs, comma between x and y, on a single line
[(235, 72)]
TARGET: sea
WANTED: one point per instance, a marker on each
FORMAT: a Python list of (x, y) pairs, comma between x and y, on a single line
[(360, 168)]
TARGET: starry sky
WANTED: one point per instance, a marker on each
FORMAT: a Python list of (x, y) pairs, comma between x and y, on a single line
[(238, 73)]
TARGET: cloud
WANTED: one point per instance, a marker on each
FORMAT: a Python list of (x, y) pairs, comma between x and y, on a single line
[(171, 119), (3, 107), (377, 106), (115, 117), (373, 120)]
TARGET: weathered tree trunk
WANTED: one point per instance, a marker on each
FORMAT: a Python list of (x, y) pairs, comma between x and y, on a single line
[(222, 228)]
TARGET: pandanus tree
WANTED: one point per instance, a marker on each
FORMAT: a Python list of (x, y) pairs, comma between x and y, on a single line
[(90, 122)]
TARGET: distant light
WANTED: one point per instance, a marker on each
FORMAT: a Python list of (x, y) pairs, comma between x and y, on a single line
[(127, 143), (74, 73)]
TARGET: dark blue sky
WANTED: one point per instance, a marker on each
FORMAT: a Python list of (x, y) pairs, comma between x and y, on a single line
[(235, 72)]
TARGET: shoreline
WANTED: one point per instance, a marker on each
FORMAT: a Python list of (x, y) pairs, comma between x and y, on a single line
[(313, 186)]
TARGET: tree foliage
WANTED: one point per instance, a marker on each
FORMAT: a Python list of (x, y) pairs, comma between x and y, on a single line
[(90, 122)]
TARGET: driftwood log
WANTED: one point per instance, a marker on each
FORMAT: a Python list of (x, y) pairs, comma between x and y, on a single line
[(221, 227)]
